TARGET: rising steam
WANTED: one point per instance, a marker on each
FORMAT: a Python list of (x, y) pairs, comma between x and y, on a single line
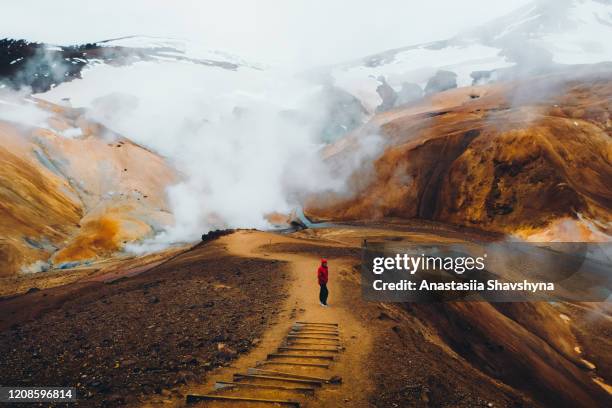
[(246, 142)]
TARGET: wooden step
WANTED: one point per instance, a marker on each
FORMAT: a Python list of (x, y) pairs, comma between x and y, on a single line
[(314, 328), (239, 376), (295, 336), (334, 379), (318, 323), (305, 343), (298, 356), (322, 328), (194, 398), (306, 349), (287, 363), (219, 385)]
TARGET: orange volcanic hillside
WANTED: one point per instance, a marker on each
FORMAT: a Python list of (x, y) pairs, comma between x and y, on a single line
[(71, 199), (532, 157)]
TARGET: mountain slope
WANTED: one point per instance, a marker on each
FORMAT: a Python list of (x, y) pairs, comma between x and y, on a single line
[(509, 160), (72, 191), (535, 38)]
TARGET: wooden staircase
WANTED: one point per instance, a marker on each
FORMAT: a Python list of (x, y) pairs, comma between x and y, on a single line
[(289, 377)]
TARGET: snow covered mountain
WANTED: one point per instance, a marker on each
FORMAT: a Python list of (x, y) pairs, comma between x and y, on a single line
[(44, 66), (540, 35)]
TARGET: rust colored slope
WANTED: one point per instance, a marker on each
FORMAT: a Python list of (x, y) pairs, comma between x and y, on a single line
[(75, 198), (31, 205), (504, 349), (488, 164)]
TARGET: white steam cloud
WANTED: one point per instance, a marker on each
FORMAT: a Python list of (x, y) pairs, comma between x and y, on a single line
[(246, 142), (16, 107)]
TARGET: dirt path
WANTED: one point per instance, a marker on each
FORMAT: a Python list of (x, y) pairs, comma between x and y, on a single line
[(302, 304)]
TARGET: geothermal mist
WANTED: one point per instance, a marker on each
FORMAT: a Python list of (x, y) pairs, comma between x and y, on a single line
[(246, 142)]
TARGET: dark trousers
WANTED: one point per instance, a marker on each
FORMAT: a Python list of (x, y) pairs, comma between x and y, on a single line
[(323, 293)]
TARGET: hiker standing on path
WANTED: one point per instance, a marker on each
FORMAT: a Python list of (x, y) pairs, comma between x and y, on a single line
[(323, 276)]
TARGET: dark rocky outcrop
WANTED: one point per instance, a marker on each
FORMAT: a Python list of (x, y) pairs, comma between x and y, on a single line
[(387, 94), (343, 114), (39, 66), (409, 93), (442, 81)]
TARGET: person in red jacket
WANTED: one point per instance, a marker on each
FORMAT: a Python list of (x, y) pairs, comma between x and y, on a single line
[(323, 277)]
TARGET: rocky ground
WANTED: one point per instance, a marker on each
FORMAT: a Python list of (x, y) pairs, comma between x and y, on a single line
[(424, 375), (468, 354), (153, 337), (120, 341)]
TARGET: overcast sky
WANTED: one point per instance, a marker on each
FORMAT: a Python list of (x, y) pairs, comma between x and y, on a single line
[(304, 32)]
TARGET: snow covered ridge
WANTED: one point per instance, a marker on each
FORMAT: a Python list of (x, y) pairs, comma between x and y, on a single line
[(180, 50), (539, 36), (42, 66)]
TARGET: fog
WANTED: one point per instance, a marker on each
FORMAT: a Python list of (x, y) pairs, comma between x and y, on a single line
[(14, 107), (297, 32)]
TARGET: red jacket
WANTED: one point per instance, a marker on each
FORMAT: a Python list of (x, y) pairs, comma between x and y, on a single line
[(322, 274)]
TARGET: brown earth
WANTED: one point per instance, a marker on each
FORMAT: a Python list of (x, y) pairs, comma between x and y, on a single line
[(152, 338), (516, 158), (120, 341), (531, 353)]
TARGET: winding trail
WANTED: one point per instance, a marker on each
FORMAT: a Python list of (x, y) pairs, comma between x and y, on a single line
[(302, 304)]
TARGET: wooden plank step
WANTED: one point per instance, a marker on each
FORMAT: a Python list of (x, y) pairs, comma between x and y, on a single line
[(307, 349), (335, 379), (313, 327), (194, 398), (238, 376), (321, 329), (319, 323), (219, 385), (287, 363), (309, 343), (294, 336), (320, 357), (312, 333)]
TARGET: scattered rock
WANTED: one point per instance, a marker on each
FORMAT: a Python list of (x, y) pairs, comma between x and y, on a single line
[(385, 316), (336, 379), (225, 352)]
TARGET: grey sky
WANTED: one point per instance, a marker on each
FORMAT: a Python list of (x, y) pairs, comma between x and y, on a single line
[(296, 32)]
